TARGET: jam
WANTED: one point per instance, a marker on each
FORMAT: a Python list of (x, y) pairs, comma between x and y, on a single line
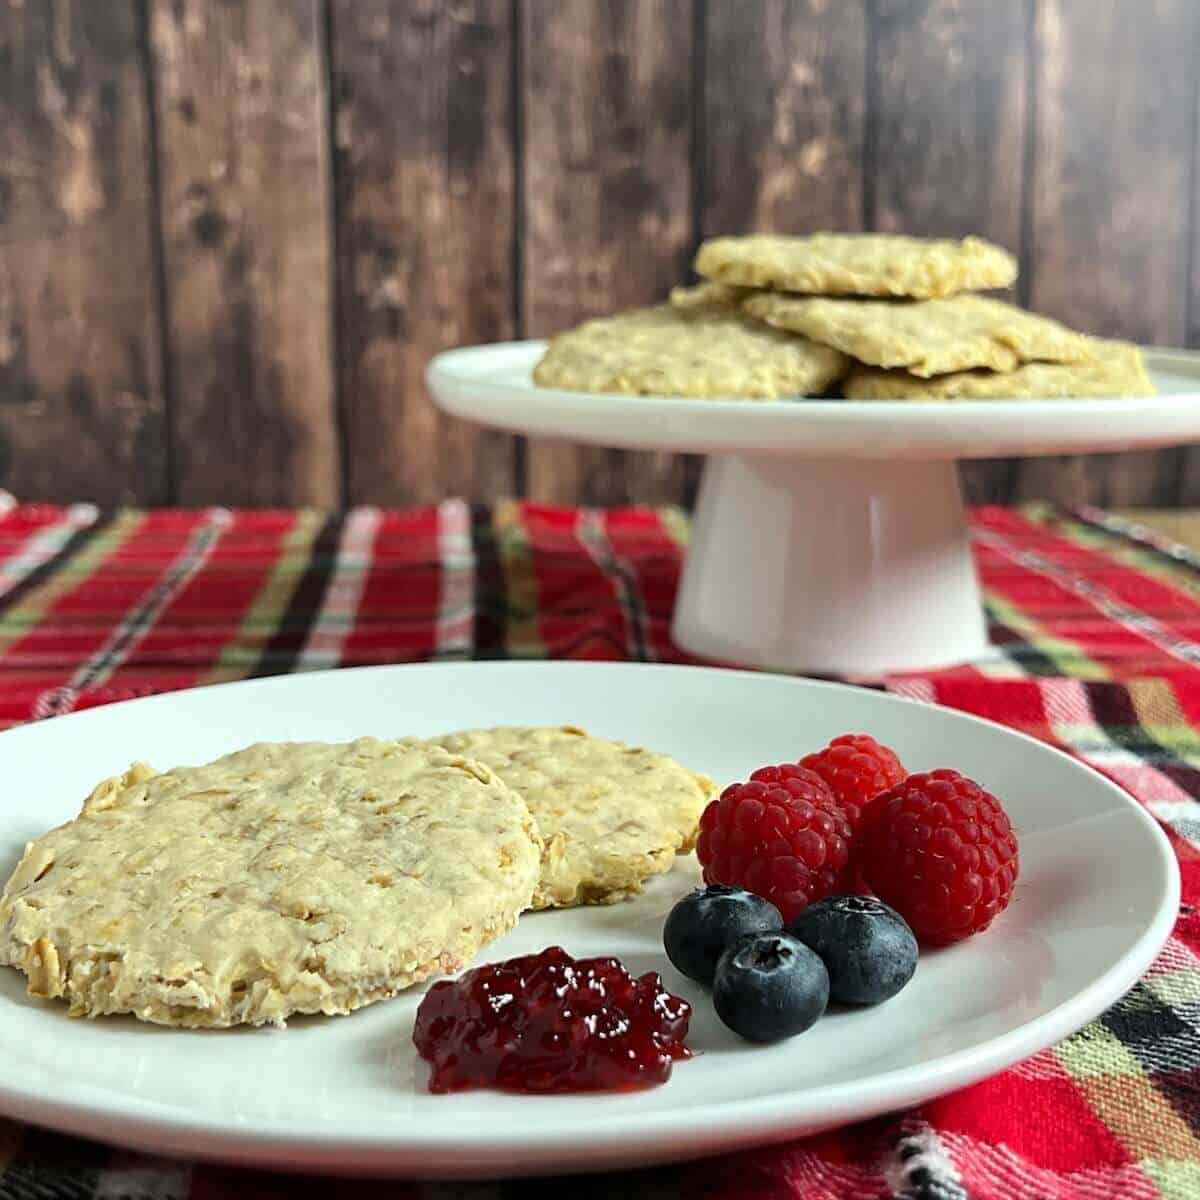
[(551, 1023)]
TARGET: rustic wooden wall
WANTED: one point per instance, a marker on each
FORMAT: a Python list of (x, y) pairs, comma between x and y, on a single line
[(232, 232)]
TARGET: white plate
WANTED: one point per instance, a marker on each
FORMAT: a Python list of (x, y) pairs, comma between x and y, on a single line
[(493, 385), (1096, 898)]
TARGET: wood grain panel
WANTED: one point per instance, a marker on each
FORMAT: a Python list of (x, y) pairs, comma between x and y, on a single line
[(243, 162), (174, 192), (606, 98), (1109, 202), (424, 126), (784, 105), (81, 403), (948, 128), (783, 120)]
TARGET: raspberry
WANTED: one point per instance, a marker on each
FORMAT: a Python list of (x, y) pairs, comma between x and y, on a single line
[(781, 835), (857, 768), (941, 851)]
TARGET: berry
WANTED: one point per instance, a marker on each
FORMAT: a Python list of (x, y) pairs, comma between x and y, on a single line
[(867, 948), (551, 1023), (857, 768), (781, 835), (705, 923), (770, 986), (941, 851)]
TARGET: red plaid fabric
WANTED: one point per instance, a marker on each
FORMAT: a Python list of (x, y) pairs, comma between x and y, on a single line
[(1095, 628)]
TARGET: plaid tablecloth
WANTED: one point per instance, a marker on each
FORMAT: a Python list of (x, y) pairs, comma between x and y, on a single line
[(1096, 632)]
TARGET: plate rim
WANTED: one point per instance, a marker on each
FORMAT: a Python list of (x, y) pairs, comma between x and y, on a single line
[(930, 430), (772, 1116), (451, 363)]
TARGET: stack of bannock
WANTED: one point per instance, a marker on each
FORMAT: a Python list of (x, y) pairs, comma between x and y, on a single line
[(318, 877), (860, 316)]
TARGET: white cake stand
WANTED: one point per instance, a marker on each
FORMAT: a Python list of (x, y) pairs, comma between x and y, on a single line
[(829, 537)]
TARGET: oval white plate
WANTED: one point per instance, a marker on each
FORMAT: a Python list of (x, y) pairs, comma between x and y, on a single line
[(1096, 899), (493, 384)]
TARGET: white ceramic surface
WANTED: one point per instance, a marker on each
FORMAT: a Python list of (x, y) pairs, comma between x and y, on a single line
[(1096, 898), (492, 384), (830, 538), (852, 567)]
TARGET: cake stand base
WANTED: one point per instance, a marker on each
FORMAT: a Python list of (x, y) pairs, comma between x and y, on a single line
[(840, 567)]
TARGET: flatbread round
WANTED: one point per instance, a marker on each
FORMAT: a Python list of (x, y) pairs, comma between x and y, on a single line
[(699, 351), (1116, 369), (286, 878), (925, 337), (611, 815), (857, 264), (710, 295)]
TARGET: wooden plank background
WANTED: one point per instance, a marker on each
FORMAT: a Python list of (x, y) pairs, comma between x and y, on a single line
[(232, 232)]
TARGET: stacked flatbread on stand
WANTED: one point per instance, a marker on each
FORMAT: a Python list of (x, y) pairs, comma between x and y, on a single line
[(850, 316)]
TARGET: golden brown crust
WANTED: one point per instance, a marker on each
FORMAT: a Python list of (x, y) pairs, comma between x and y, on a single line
[(925, 337), (700, 351), (285, 878), (710, 295), (864, 264), (1117, 369), (611, 815)]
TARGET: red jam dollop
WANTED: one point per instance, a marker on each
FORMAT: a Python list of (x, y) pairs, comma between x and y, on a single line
[(551, 1023)]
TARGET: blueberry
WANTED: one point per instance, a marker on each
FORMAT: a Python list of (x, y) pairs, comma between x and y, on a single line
[(867, 947), (700, 927), (770, 986)]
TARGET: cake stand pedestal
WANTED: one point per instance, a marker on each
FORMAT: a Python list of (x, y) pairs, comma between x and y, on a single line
[(829, 538), (833, 564)]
